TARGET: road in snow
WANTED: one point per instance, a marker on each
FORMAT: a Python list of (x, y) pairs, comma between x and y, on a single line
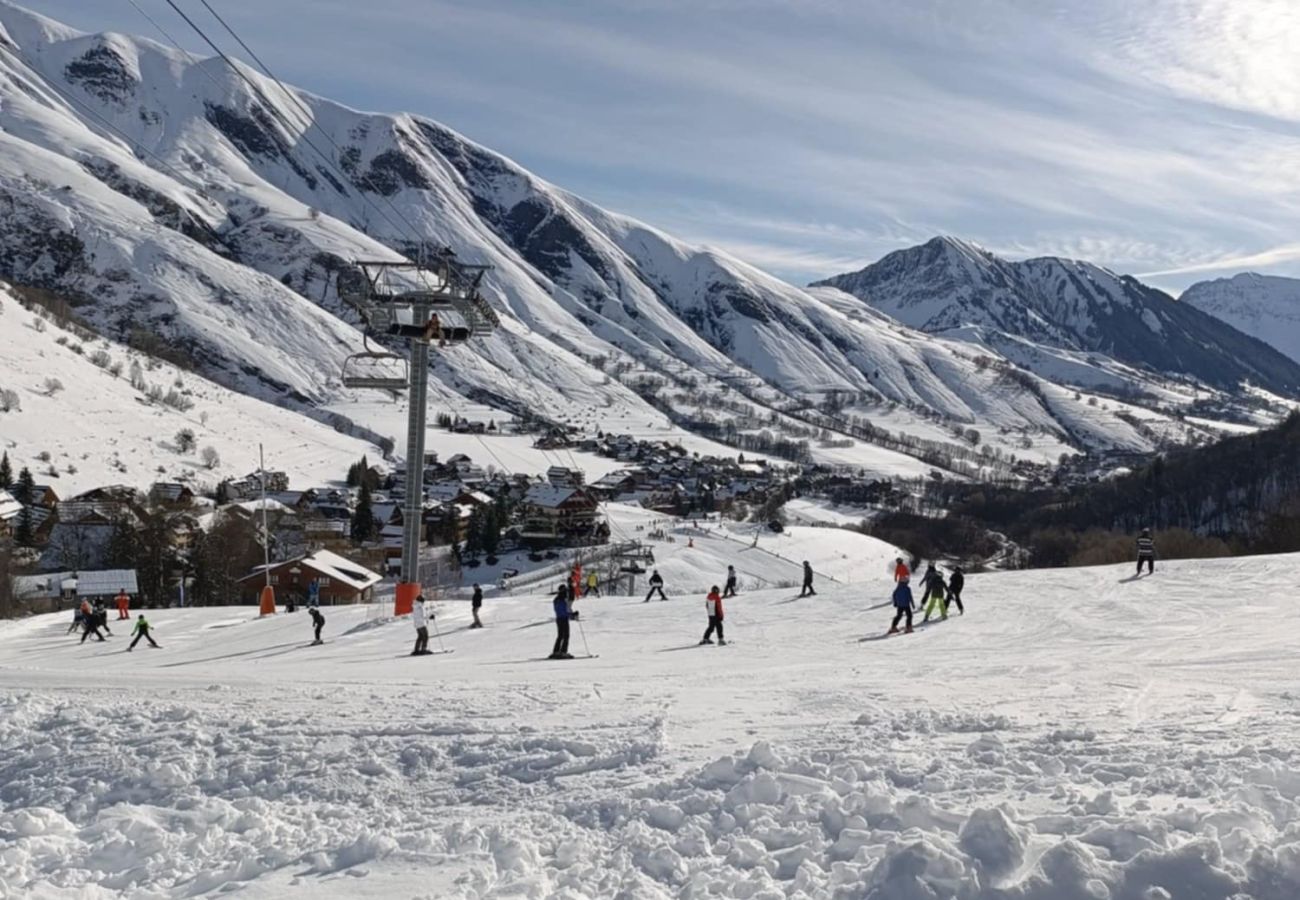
[(1077, 734)]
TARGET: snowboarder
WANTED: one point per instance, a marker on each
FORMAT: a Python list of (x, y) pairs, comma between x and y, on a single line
[(730, 589), (123, 605), (1146, 547), (475, 604), (593, 584), (656, 584), (89, 622), (935, 594), (420, 620), (713, 606), (318, 621), (141, 631), (956, 581), (902, 607), (807, 581), (563, 612), (902, 575)]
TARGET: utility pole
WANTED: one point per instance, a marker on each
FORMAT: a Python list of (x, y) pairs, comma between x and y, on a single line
[(378, 291), (268, 592)]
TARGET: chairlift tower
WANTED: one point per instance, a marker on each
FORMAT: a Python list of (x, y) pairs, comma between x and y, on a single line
[(435, 303)]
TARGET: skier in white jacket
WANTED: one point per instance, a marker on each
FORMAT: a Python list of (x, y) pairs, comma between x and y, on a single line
[(420, 622)]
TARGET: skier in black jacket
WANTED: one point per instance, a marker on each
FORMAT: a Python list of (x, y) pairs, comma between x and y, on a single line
[(955, 583), (318, 621), (475, 604), (807, 581), (730, 589), (656, 584)]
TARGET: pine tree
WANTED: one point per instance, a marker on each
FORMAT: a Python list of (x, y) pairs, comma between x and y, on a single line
[(491, 531), (122, 551), (6, 473), (24, 491), (363, 517), (474, 532)]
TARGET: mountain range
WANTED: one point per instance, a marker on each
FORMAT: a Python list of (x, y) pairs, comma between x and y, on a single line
[(188, 207)]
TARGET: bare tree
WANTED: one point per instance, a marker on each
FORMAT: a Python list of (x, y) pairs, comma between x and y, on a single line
[(9, 401), (52, 386), (210, 457)]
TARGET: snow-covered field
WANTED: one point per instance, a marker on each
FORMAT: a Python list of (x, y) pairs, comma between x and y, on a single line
[(1076, 734)]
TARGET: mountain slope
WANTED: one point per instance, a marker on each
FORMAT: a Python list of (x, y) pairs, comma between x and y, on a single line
[(1266, 307), (947, 284), (179, 198)]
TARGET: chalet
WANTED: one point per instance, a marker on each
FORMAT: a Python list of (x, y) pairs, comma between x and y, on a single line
[(170, 493), (613, 485), (43, 496), (298, 500), (275, 480), (10, 510), (340, 580), (554, 439), (561, 476), (554, 514)]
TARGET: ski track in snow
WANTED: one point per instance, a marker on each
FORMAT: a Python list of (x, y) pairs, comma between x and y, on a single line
[(1075, 735)]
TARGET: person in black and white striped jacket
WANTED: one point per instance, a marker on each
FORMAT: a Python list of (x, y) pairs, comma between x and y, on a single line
[(1146, 547)]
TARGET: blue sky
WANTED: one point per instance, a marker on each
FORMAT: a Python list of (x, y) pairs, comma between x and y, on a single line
[(810, 137)]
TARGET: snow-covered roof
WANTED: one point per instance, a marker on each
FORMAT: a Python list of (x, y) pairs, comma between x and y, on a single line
[(331, 565), (550, 495), (9, 507)]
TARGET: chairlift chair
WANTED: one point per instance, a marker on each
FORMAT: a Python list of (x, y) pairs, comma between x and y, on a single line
[(376, 370)]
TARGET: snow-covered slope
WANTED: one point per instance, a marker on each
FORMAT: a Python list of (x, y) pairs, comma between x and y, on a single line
[(950, 286), (181, 198), (1266, 307), (1040, 747)]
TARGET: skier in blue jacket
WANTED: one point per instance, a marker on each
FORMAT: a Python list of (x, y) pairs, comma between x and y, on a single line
[(562, 615), (903, 605)]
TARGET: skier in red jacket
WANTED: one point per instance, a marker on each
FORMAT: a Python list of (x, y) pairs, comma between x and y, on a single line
[(713, 605)]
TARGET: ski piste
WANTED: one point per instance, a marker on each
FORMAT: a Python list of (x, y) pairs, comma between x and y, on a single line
[(428, 653)]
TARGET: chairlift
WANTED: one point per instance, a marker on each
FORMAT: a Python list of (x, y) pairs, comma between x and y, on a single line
[(376, 370)]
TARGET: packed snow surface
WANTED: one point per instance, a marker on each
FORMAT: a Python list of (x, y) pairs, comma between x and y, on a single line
[(1077, 734)]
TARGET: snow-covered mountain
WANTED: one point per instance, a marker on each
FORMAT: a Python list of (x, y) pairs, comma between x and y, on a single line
[(1266, 307), (180, 200), (947, 286)]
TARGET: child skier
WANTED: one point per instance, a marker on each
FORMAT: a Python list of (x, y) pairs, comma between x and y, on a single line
[(89, 622), (593, 584), (730, 589), (563, 613), (956, 582), (475, 604), (420, 620), (936, 593), (713, 606), (902, 575), (656, 584), (141, 631), (318, 621), (902, 607)]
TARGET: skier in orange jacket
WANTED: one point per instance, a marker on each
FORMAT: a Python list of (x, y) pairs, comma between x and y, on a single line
[(901, 573), (123, 604)]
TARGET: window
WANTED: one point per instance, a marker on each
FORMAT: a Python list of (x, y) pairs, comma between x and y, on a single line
[(324, 582), (275, 579)]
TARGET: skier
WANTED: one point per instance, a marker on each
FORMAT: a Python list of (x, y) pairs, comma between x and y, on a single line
[(807, 581), (902, 607), (313, 593), (419, 620), (656, 584), (730, 589), (475, 604), (956, 581), (89, 622), (713, 606), (563, 613), (141, 631), (902, 575), (593, 584), (123, 605), (76, 620), (935, 594), (318, 620), (1146, 547), (101, 617)]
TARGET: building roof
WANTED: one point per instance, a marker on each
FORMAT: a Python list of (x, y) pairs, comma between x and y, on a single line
[(330, 565), (9, 507), (552, 496), (104, 582)]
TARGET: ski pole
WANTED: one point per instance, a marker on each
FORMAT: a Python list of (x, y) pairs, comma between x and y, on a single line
[(582, 631)]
